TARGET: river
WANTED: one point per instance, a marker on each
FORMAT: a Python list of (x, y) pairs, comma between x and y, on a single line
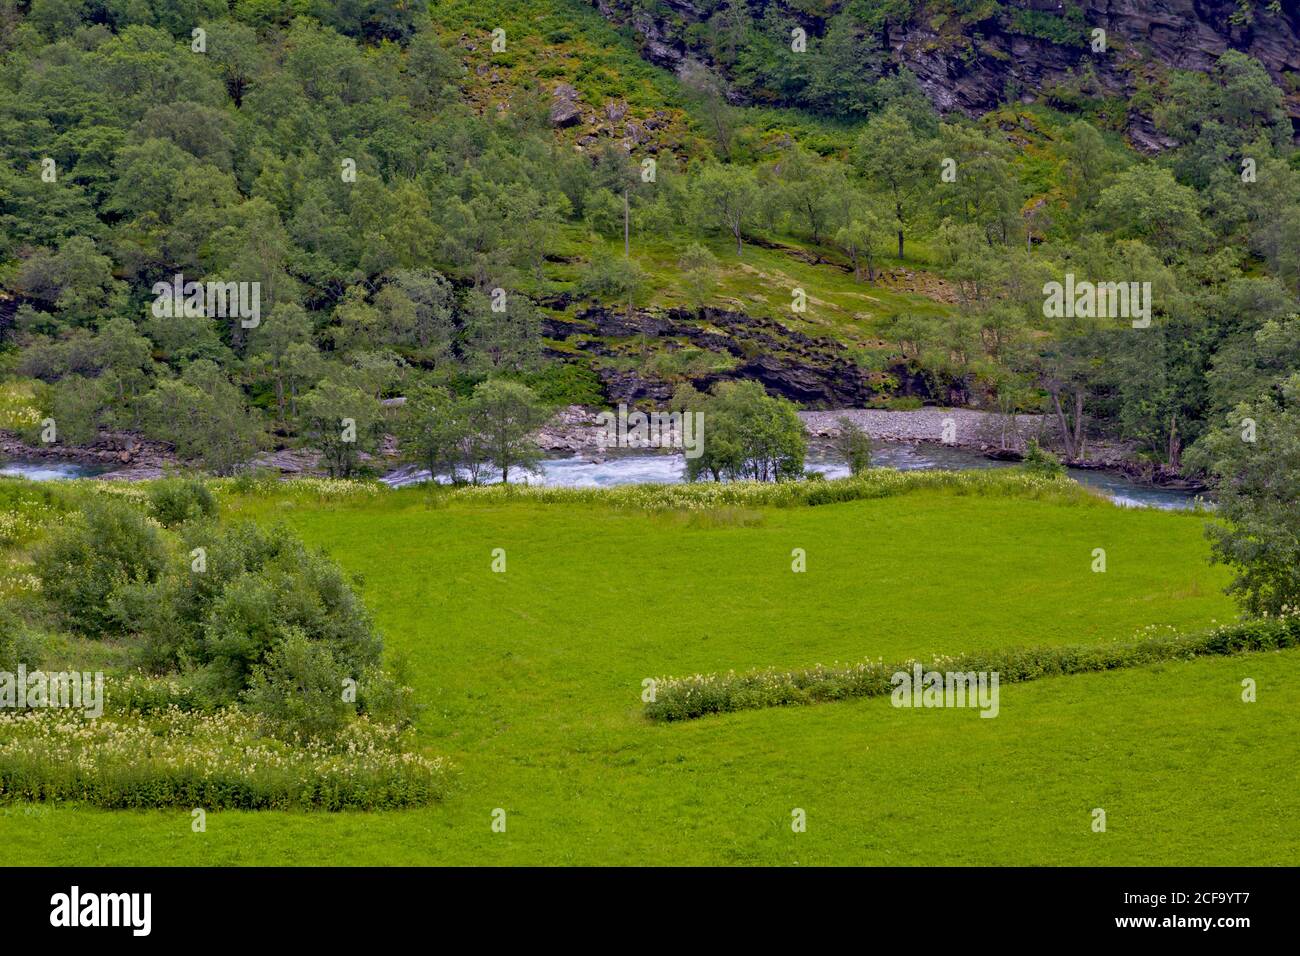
[(626, 468), (45, 470)]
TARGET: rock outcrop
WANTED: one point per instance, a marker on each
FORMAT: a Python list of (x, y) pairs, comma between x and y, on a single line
[(816, 372), (564, 106), (969, 62)]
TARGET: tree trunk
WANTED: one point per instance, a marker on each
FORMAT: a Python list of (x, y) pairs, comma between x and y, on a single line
[(1078, 422), (1066, 437)]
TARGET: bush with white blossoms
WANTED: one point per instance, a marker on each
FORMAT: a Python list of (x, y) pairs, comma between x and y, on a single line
[(873, 483), (302, 488), (217, 760), (684, 698), (19, 409), (24, 511), (236, 701)]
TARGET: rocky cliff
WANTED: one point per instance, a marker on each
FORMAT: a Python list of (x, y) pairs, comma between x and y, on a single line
[(970, 55), (816, 372)]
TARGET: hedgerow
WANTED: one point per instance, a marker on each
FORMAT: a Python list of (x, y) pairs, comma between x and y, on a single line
[(685, 698), (260, 682), (874, 483), (222, 759)]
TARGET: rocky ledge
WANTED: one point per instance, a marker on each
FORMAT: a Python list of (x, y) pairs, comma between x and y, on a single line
[(813, 371)]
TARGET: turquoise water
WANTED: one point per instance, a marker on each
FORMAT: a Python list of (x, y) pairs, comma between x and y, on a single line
[(639, 467), (626, 468), (46, 470)]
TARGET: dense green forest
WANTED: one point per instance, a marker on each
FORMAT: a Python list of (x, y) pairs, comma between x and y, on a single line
[(418, 216)]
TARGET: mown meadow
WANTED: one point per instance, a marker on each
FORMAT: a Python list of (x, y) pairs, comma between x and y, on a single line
[(532, 682)]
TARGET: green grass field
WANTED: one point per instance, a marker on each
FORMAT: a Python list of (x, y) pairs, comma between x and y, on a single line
[(533, 677), (759, 282)]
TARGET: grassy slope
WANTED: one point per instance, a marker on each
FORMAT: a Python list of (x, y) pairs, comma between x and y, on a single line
[(533, 677), (551, 41), (760, 281)]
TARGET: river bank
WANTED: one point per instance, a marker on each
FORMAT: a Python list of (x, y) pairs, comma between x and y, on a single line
[(1003, 437), (112, 453), (923, 437), (575, 430), (630, 467)]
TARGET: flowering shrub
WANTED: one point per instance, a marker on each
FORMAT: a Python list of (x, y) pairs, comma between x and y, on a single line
[(217, 760), (873, 483), (683, 698), (17, 579), (16, 526), (135, 492), (139, 693), (254, 632), (303, 488), (19, 408), (24, 510)]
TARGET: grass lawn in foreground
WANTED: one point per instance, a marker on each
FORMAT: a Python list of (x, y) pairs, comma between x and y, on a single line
[(532, 681)]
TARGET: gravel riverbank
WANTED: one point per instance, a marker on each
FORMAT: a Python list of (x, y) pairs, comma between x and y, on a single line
[(575, 430)]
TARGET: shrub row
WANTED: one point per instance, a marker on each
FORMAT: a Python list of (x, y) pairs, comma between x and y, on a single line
[(218, 760), (873, 483), (264, 484), (689, 697)]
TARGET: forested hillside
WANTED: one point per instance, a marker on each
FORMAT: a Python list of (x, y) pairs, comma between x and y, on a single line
[(1107, 57), (505, 191), (650, 433)]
